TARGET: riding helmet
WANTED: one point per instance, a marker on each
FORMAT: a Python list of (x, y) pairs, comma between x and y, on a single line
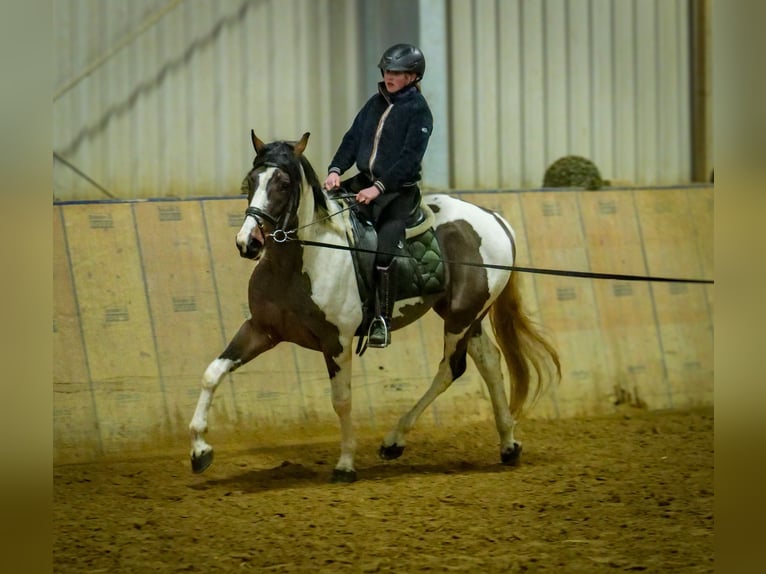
[(403, 58)]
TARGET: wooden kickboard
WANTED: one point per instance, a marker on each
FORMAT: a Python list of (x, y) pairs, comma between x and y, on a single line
[(75, 420), (567, 304), (682, 310), (624, 307), (148, 293), (116, 327), (182, 300)]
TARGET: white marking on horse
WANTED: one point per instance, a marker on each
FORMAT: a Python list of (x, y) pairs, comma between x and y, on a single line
[(494, 246), (259, 200), (217, 369), (339, 301)]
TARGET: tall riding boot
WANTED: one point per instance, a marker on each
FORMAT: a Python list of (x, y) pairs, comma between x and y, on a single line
[(380, 329)]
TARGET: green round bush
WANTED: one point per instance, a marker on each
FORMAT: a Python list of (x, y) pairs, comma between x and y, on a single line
[(573, 171)]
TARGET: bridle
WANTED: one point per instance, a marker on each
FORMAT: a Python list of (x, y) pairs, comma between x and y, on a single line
[(280, 235)]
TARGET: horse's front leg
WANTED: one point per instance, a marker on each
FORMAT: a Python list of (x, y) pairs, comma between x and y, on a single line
[(339, 369), (248, 343)]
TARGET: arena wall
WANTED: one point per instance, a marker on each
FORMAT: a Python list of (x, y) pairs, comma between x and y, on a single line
[(147, 293)]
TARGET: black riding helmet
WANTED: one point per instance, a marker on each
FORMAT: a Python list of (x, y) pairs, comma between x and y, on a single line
[(403, 58)]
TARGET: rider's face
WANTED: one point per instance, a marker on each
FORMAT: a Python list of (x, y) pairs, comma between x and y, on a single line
[(395, 81)]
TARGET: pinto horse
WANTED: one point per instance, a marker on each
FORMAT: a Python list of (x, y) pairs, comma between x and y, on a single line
[(305, 292)]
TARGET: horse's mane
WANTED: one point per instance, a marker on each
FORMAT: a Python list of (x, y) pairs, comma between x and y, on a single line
[(320, 199), (281, 154)]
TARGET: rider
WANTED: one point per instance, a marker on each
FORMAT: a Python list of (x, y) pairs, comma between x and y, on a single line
[(387, 141)]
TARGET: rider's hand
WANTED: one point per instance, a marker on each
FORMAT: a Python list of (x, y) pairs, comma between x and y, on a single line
[(367, 195), (332, 181)]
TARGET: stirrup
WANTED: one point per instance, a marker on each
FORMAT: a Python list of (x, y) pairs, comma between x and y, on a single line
[(379, 335)]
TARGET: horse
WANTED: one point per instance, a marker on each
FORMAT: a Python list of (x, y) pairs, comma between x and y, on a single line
[(303, 290)]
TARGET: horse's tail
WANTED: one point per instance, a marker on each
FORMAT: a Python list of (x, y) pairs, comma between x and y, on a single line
[(523, 346)]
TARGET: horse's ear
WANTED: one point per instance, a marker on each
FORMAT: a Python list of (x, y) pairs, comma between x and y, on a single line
[(301, 145), (258, 145)]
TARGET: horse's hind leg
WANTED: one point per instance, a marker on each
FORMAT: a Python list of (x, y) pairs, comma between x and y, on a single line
[(246, 345), (450, 368), (487, 358)]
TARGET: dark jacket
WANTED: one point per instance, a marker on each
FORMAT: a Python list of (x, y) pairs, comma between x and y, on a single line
[(387, 139)]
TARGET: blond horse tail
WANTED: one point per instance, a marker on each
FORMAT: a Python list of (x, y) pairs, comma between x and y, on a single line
[(524, 347)]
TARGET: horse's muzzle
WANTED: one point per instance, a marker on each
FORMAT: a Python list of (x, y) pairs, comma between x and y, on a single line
[(250, 243), (251, 251)]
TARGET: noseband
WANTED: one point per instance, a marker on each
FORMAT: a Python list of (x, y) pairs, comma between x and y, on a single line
[(259, 214), (279, 235)]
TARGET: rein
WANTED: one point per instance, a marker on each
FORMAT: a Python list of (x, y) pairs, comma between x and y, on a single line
[(281, 236), (559, 272)]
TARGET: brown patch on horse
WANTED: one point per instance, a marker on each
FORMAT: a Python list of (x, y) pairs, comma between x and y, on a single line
[(279, 292), (468, 286), (281, 304)]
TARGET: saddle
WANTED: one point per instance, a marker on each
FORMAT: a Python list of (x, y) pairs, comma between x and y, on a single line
[(420, 269)]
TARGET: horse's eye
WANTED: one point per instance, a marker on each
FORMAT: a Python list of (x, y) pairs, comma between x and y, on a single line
[(245, 187), (281, 177)]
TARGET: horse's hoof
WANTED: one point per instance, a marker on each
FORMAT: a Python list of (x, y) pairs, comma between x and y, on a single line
[(511, 456), (200, 463), (390, 452), (343, 476)]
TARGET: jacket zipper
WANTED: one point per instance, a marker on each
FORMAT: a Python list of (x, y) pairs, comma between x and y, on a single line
[(378, 132)]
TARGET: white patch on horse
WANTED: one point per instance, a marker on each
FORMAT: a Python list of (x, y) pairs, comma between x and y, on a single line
[(338, 299), (495, 249), (259, 200), (215, 370)]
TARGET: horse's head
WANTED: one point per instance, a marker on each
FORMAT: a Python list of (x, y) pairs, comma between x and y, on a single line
[(273, 189)]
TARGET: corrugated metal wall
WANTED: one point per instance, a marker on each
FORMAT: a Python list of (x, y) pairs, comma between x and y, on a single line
[(533, 80), (175, 86), (155, 98)]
